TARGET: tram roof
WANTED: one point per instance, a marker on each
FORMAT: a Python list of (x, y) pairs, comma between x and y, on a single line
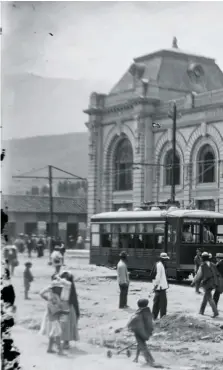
[(158, 214)]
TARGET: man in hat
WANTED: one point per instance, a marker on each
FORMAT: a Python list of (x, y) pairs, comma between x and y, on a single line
[(123, 280), (160, 287), (208, 275), (219, 265)]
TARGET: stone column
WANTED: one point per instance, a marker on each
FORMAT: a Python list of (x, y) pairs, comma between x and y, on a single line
[(188, 173), (92, 166), (221, 187), (149, 171), (138, 167)]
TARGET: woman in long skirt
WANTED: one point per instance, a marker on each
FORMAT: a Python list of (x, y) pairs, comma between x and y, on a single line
[(70, 326)]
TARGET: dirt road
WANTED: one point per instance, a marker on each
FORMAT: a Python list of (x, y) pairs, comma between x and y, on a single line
[(182, 340)]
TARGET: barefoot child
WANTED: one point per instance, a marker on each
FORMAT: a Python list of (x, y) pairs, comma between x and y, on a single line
[(141, 324), (28, 278), (51, 325)]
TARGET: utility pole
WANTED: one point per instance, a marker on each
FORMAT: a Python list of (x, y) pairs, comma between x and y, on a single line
[(51, 200), (174, 117), (50, 183)]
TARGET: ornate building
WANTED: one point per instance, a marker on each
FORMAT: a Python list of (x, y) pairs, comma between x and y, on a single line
[(130, 134)]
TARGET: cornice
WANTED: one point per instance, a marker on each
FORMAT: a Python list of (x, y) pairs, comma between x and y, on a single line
[(129, 104)]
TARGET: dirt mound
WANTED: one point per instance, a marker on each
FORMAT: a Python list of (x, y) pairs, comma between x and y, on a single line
[(172, 328), (187, 328)]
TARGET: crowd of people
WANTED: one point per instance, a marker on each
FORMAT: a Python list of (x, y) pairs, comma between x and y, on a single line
[(60, 321), (208, 275)]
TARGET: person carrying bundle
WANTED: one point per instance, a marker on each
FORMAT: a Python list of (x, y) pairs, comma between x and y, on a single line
[(141, 324)]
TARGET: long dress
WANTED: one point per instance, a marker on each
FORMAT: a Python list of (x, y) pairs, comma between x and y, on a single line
[(51, 325), (70, 325)]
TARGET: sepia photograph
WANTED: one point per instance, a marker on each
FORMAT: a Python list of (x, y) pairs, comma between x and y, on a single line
[(111, 185)]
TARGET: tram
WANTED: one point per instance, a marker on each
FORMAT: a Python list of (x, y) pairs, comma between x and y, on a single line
[(145, 234)]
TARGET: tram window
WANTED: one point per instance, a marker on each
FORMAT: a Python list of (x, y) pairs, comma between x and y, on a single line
[(209, 233), (219, 234), (149, 228), (191, 232), (95, 240), (115, 241), (148, 241), (159, 231), (137, 241), (95, 228), (131, 228), (148, 237), (172, 234), (105, 235), (106, 229)]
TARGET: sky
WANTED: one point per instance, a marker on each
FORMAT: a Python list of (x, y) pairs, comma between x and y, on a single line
[(93, 44)]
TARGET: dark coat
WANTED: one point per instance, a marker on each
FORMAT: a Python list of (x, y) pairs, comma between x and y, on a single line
[(142, 323), (209, 276), (219, 266)]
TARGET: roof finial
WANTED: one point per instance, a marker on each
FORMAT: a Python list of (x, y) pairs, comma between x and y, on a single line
[(174, 43)]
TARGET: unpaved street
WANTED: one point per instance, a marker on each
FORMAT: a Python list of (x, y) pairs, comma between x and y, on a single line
[(182, 340)]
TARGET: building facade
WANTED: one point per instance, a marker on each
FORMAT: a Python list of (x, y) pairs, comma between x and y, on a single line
[(30, 215), (130, 134)]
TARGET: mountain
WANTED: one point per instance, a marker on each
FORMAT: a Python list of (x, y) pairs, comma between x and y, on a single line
[(35, 105), (68, 152)]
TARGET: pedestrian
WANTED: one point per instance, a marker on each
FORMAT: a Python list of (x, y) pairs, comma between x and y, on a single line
[(28, 278), (51, 324), (40, 247), (62, 251), (70, 303), (207, 275), (57, 263), (141, 324), (29, 247), (219, 289), (80, 242), (160, 287), (11, 255), (20, 243), (123, 280), (197, 263)]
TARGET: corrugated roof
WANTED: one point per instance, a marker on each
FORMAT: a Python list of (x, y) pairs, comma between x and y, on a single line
[(38, 204)]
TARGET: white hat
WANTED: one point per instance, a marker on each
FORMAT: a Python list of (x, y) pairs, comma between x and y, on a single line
[(164, 256), (210, 255), (219, 255), (205, 254)]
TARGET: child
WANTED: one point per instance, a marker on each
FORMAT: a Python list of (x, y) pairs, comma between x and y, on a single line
[(51, 325), (28, 278), (141, 324)]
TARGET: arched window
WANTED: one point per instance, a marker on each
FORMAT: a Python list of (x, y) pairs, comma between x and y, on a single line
[(123, 166), (206, 165), (168, 169)]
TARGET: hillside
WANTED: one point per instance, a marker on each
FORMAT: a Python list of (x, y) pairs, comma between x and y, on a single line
[(33, 105), (68, 152)]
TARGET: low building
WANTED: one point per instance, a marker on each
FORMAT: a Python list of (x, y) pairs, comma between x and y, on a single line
[(31, 215), (130, 134)]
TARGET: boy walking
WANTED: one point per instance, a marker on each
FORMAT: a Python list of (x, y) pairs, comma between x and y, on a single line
[(141, 324), (28, 278)]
